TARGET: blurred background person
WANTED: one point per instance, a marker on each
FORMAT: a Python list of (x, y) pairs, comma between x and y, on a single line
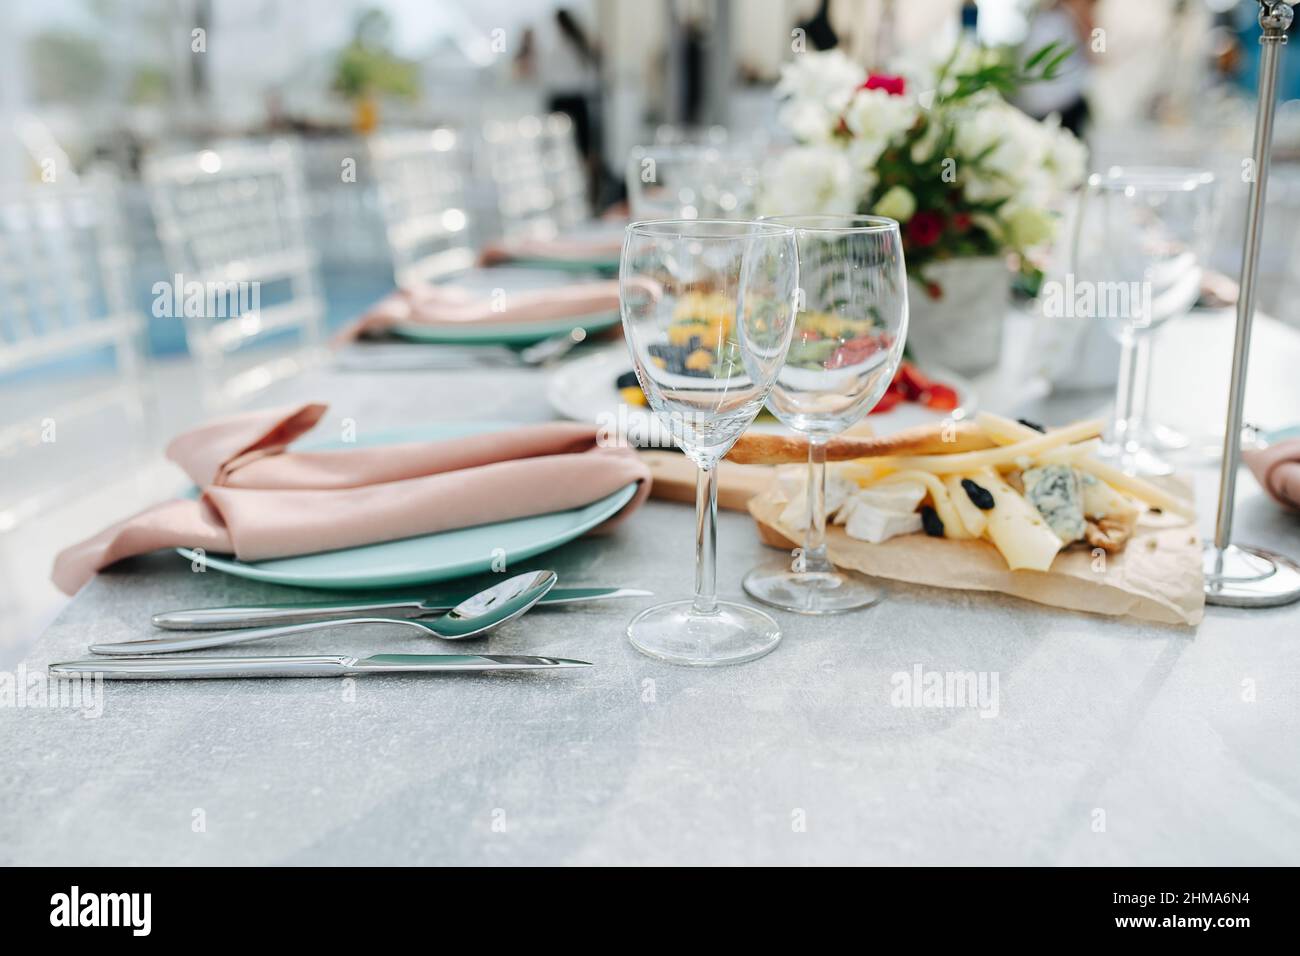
[(1069, 23), (563, 59)]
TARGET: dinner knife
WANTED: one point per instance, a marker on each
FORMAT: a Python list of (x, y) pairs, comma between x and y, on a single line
[(257, 615), (174, 668)]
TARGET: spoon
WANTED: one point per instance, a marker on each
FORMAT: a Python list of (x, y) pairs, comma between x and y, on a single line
[(474, 616)]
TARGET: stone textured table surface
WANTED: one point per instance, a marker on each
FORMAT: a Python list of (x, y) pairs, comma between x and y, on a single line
[(1114, 742)]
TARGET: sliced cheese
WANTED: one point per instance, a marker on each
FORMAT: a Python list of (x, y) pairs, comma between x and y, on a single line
[(1007, 455), (864, 471), (869, 523), (1069, 454), (1100, 500), (1138, 488), (953, 527), (972, 517), (1016, 528), (1008, 434), (796, 511)]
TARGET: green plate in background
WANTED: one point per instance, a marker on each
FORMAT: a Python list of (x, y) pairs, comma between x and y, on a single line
[(517, 333)]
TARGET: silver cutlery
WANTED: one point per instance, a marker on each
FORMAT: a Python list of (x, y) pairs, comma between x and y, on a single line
[(228, 618), (477, 615), (177, 668), (412, 357), (548, 350)]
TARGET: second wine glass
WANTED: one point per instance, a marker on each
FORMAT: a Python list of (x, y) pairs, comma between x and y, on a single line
[(848, 342)]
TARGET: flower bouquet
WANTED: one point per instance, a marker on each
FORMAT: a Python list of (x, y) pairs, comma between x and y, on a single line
[(973, 180)]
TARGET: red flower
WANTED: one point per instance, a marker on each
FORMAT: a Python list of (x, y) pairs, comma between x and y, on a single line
[(925, 228), (961, 221), (893, 85), (934, 291)]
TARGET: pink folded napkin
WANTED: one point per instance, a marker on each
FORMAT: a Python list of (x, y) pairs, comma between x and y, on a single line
[(449, 305), (1277, 468), (263, 501)]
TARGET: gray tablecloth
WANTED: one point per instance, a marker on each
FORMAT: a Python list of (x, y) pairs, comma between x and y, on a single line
[(1108, 742)]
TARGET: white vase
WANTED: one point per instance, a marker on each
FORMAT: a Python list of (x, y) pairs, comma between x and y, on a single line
[(961, 330)]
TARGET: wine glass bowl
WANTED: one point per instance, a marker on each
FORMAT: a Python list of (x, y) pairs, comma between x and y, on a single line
[(1139, 263), (708, 311), (850, 330)]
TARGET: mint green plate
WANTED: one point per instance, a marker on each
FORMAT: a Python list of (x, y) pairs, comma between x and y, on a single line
[(518, 333), (432, 557), (604, 266)]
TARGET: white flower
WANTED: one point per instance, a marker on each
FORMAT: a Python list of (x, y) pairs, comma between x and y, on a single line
[(826, 78), (1065, 158), (1000, 150), (809, 122), (924, 147), (876, 118), (807, 180), (1027, 226), (816, 88), (898, 203)]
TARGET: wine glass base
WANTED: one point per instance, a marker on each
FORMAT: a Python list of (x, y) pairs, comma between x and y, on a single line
[(1249, 577), (1164, 438), (810, 592), (1134, 461), (733, 634)]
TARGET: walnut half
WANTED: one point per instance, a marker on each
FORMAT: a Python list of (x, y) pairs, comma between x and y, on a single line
[(1108, 533)]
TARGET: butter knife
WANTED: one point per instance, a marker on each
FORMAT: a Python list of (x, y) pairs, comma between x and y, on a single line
[(174, 668), (257, 615)]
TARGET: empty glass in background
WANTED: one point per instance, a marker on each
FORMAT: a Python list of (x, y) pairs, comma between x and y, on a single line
[(847, 345), (692, 181), (1140, 248), (708, 310)]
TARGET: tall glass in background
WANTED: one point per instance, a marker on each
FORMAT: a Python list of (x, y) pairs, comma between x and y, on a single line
[(848, 342), (692, 181), (1140, 248), (708, 311)]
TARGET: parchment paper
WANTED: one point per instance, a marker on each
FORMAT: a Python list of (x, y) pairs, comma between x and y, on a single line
[(1157, 577)]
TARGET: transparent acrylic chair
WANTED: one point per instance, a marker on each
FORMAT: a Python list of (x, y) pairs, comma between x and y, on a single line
[(232, 223), (75, 399), (421, 179), (514, 159), (564, 171)]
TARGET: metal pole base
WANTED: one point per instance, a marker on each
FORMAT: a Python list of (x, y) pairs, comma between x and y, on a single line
[(1238, 576)]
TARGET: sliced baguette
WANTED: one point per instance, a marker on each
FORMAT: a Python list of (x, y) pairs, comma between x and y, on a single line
[(754, 448)]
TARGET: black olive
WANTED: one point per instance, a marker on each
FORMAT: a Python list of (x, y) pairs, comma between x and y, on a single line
[(626, 380), (979, 495), (931, 522), (1034, 425)]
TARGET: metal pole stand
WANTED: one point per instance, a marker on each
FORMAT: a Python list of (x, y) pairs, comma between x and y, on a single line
[(1237, 575)]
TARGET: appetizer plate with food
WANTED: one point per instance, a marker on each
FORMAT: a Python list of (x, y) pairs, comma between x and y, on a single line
[(601, 387), (995, 504)]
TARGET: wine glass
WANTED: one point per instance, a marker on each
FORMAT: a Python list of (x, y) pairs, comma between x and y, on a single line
[(692, 181), (1137, 265), (708, 310), (848, 342)]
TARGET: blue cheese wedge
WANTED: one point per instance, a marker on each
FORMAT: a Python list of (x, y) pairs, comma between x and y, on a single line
[(1055, 491)]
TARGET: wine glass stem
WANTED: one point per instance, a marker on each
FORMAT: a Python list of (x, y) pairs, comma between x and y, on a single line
[(706, 541), (814, 544), (1141, 385), (1124, 425)]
